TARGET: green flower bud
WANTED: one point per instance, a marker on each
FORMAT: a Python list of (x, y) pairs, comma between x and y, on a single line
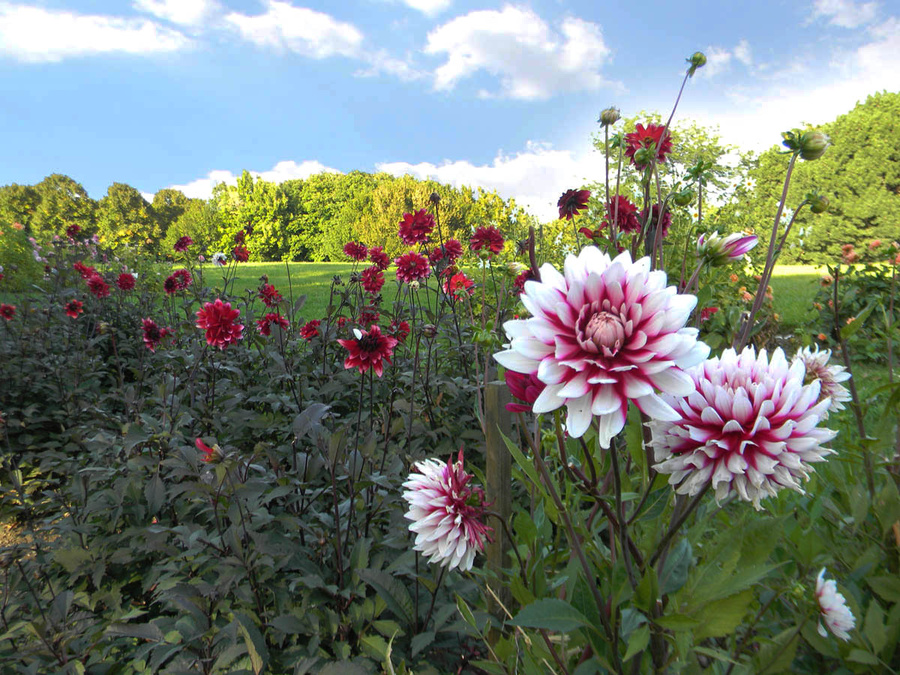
[(813, 145), (697, 60), (609, 117), (817, 203), (684, 197), (643, 157)]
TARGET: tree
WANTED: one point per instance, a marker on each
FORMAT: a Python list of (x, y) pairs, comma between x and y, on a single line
[(201, 222), (167, 207), (859, 174), (18, 204), (124, 219), (63, 202)]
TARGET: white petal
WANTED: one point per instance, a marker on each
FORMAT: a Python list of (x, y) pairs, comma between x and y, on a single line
[(516, 362)]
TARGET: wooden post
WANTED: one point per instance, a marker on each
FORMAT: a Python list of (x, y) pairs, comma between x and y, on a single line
[(498, 473)]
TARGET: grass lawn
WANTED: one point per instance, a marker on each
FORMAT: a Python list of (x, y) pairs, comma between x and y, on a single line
[(795, 288)]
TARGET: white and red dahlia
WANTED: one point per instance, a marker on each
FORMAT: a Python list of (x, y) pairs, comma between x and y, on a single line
[(828, 377), (750, 427), (833, 609), (447, 513), (603, 333)]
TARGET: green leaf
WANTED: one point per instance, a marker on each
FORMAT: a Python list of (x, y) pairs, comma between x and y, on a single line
[(778, 655), (256, 645), (855, 325), (389, 589), (638, 642), (343, 668), (550, 614), (465, 612), (677, 622), (289, 624), (421, 641), (142, 631), (860, 656), (874, 629), (374, 646), (526, 467), (675, 572), (721, 617), (155, 492), (887, 587), (647, 591)]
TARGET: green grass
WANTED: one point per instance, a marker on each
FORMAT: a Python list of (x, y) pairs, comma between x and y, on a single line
[(795, 288)]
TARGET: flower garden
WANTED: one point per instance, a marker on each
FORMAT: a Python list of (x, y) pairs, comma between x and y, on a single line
[(594, 457)]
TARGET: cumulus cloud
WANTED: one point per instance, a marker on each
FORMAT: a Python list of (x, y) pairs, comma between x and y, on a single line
[(846, 13), (535, 177), (182, 12), (202, 188), (298, 29), (35, 35), (429, 7), (531, 60)]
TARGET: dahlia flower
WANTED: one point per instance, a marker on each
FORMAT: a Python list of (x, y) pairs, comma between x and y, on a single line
[(453, 250), (264, 325), (73, 231), (415, 227), (572, 202), (125, 281), (654, 218), (269, 295), (815, 363), (379, 258), (833, 609), (648, 137), (218, 320), (372, 279), (86, 271), (73, 308), (486, 238), (525, 388), (749, 427), (153, 334), (240, 237), (716, 250), (603, 333), (170, 285), (412, 267), (7, 311), (447, 514), (369, 349), (399, 330), (98, 286), (356, 251), (623, 213), (310, 329), (240, 253), (182, 244), (210, 454), (459, 285), (219, 259)]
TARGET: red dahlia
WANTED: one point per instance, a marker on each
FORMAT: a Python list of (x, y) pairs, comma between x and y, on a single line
[(183, 278), (370, 349), (519, 283), (170, 285), (369, 315), (415, 227), (153, 334), (269, 295), (525, 387), (654, 218), (98, 286), (7, 311), (74, 308), (240, 237), (372, 279), (623, 213), (648, 137), (399, 330), (73, 231), (453, 250), (218, 320), (488, 238), (572, 202), (182, 244), (379, 257), (356, 251), (264, 325), (412, 267), (125, 281), (310, 329), (459, 284), (240, 253), (86, 271)]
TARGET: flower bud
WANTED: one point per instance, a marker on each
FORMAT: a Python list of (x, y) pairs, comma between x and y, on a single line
[(813, 145), (643, 157), (817, 203), (429, 330), (716, 250), (609, 116), (515, 268), (435, 198), (697, 60), (684, 197)]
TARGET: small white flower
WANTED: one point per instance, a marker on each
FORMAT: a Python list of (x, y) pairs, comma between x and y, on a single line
[(219, 259), (833, 609), (828, 377)]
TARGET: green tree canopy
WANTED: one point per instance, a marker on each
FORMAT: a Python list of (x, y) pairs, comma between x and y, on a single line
[(63, 202), (18, 204), (124, 219)]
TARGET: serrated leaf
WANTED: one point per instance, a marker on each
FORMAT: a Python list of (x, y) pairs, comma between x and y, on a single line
[(422, 641), (637, 642), (857, 323), (675, 572), (155, 492), (874, 629), (778, 655), (677, 622), (389, 589), (310, 419), (861, 656), (721, 617), (550, 614), (887, 587), (256, 645), (289, 624)]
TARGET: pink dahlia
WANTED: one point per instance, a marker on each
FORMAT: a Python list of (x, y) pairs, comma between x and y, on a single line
[(833, 609), (379, 258), (218, 320), (356, 251), (415, 227), (815, 364), (572, 202), (447, 514), (602, 334), (488, 238), (369, 349), (412, 267), (750, 427), (716, 250)]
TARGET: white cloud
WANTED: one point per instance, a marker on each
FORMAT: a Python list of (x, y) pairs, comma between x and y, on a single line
[(299, 30), (535, 177), (429, 7), (34, 34), (182, 12), (718, 61), (758, 118), (846, 13), (287, 170), (381, 62), (742, 53), (531, 60)]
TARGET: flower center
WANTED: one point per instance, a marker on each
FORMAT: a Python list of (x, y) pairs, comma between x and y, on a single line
[(602, 332)]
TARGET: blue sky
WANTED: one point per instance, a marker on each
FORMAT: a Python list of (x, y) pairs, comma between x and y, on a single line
[(160, 93)]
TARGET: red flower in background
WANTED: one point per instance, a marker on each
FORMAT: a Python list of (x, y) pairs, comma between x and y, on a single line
[(436, 254), (125, 281), (412, 267), (264, 325), (218, 320), (624, 213), (86, 271), (182, 244), (572, 202), (153, 334), (73, 231), (369, 315), (654, 218), (372, 279), (240, 237), (7, 311), (170, 285), (240, 253), (453, 250), (269, 295), (98, 286), (379, 258), (310, 329), (356, 251), (707, 312), (209, 453), (488, 238), (519, 283), (370, 349), (183, 278), (648, 137), (415, 227), (525, 387), (399, 330), (459, 284), (74, 308)]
